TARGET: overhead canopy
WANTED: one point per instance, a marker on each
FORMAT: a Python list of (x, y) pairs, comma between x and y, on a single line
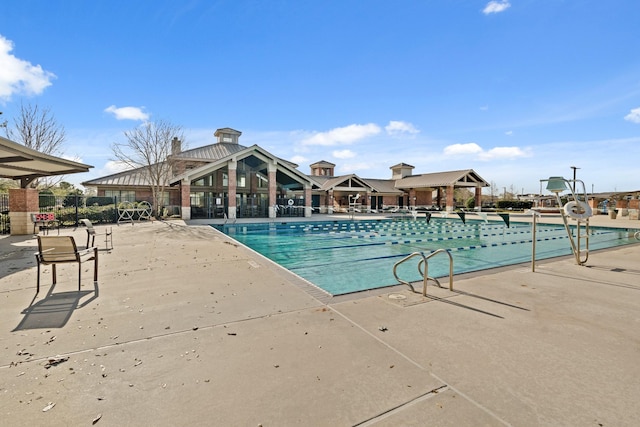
[(26, 164)]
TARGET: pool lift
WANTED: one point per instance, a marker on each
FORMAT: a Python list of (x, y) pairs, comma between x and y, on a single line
[(576, 209), (353, 206)]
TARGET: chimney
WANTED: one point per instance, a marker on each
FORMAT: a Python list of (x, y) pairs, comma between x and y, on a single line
[(176, 146)]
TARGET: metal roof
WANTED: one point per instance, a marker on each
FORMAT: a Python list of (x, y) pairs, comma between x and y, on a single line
[(135, 177), (461, 178), (20, 162), (217, 151), (383, 185), (210, 153)]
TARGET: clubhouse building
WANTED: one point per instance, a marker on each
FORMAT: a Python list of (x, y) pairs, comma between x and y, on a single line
[(229, 180)]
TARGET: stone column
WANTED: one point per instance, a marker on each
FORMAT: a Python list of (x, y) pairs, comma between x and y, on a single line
[(22, 203)]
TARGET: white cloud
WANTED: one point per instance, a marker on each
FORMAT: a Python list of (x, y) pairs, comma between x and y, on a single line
[(298, 159), (343, 154), (462, 149), (496, 6), (633, 116), (503, 153), (509, 133), (348, 168), (395, 128), (127, 113), (18, 76), (114, 166), (344, 135), (484, 108), (473, 149)]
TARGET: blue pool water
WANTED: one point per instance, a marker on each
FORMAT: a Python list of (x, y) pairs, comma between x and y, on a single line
[(349, 256)]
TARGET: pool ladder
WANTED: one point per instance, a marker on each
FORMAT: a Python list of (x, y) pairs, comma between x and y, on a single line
[(424, 273)]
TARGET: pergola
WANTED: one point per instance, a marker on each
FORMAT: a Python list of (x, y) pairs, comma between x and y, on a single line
[(22, 163)]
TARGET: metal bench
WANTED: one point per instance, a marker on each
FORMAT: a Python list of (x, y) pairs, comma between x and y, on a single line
[(92, 233)]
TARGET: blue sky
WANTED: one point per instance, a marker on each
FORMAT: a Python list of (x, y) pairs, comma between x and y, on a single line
[(517, 90)]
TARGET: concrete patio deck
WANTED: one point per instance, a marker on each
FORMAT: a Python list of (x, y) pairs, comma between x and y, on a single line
[(185, 327)]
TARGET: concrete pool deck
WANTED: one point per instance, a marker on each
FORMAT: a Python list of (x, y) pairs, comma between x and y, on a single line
[(185, 327)]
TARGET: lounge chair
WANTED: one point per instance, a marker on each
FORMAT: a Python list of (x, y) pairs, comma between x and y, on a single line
[(54, 250), (91, 233)]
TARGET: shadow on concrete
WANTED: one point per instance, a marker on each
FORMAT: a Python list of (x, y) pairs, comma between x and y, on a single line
[(17, 254), (614, 271), (54, 310)]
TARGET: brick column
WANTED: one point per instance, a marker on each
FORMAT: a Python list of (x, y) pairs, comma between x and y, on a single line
[(450, 206), (307, 201), (233, 183), (330, 202), (273, 188), (22, 203), (478, 199), (185, 199), (412, 197)]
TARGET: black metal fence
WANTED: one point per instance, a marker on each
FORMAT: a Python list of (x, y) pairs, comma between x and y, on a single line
[(5, 226), (71, 208)]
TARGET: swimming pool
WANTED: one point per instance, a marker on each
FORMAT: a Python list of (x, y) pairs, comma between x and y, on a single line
[(349, 256)]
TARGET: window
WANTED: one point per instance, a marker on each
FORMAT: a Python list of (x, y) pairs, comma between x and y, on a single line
[(242, 180), (263, 181), (121, 195)]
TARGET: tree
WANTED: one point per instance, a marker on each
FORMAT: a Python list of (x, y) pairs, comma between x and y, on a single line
[(37, 128), (148, 148)]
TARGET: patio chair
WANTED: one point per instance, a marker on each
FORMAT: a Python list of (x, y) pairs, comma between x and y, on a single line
[(92, 233), (54, 250)]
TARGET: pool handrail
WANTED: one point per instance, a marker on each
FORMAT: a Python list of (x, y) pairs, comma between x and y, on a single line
[(425, 273)]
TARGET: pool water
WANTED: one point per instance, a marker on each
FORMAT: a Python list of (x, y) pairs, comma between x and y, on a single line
[(349, 256)]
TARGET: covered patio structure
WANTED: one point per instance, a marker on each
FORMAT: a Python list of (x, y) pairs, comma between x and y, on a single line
[(420, 187), (26, 165)]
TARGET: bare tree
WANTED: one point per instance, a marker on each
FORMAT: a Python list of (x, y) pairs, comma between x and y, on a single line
[(37, 128), (148, 148)]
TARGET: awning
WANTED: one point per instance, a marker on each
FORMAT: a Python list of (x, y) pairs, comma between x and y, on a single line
[(25, 164)]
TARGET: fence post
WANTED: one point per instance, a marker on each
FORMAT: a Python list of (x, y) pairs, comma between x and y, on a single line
[(76, 205)]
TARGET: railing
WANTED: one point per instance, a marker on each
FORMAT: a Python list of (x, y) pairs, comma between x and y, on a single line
[(424, 274), (575, 209)]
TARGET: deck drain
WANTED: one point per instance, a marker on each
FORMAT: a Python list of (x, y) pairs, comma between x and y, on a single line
[(397, 296)]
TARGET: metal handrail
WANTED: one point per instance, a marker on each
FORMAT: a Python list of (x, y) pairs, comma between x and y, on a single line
[(425, 273), (580, 250)]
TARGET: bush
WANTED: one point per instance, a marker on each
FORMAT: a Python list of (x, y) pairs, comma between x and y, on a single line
[(71, 200), (99, 201), (471, 203), (517, 205), (95, 214)]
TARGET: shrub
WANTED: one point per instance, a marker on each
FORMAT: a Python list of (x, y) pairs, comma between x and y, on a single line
[(99, 201), (518, 205)]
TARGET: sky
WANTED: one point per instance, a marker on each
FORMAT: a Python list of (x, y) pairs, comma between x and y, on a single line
[(517, 90)]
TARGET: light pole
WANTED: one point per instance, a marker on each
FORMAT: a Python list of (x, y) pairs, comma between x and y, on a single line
[(574, 177)]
